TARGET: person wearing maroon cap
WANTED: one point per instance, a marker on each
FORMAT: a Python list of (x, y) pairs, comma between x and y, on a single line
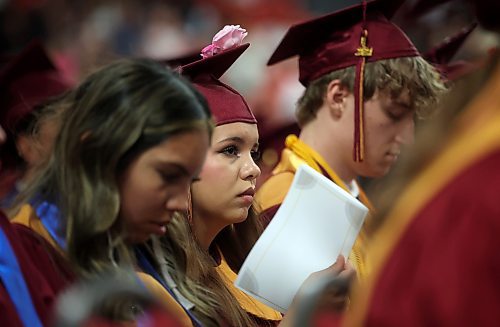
[(221, 217), (32, 274), (221, 226), (365, 82), (442, 54), (435, 257), (27, 82)]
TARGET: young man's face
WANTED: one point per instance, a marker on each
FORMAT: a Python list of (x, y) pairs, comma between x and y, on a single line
[(389, 124)]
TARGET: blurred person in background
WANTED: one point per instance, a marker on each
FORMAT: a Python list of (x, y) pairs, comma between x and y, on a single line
[(30, 82), (32, 274)]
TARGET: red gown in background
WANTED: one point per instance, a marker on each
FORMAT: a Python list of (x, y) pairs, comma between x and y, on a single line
[(436, 260)]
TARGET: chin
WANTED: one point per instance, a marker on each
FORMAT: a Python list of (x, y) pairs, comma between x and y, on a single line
[(137, 238), (239, 217), (374, 173)]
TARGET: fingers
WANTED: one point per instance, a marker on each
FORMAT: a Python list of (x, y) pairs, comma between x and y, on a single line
[(338, 266), (349, 272)]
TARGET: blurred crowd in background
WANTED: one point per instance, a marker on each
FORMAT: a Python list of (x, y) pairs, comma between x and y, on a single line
[(84, 34)]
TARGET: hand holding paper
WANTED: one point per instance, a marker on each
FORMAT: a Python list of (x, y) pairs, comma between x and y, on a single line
[(317, 221)]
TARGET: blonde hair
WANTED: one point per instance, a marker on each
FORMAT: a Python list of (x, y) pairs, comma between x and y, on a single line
[(392, 75), (116, 114)]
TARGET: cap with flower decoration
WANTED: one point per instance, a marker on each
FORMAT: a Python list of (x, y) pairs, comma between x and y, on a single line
[(226, 104), (26, 81), (349, 37), (440, 56)]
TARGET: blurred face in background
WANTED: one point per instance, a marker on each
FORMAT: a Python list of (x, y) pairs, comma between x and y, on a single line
[(3, 136), (35, 148)]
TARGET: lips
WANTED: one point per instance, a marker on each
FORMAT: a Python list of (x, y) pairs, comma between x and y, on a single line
[(158, 228), (249, 192), (247, 196)]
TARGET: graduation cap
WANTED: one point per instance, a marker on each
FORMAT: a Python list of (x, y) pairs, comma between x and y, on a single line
[(349, 37), (422, 7), (486, 11), (440, 56), (27, 80), (178, 62), (226, 104)]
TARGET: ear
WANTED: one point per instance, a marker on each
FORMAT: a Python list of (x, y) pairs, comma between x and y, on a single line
[(336, 95), (24, 149)]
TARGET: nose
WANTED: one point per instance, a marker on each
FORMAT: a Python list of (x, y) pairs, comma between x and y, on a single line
[(249, 171), (178, 201), (406, 134)]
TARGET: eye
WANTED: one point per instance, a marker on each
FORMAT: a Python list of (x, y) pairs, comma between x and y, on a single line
[(170, 178), (395, 114), (195, 179), (231, 151)]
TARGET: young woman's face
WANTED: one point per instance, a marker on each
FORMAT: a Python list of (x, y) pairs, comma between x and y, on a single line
[(224, 193), (155, 184)]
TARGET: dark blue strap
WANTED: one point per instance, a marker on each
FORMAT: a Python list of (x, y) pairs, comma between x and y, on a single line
[(12, 278), (148, 268), (51, 220)]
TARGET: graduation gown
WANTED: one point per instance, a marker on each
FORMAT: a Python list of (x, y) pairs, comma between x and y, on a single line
[(435, 260), (44, 271), (28, 219), (272, 193)]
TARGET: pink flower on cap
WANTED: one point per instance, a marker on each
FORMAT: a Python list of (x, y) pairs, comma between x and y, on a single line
[(227, 38)]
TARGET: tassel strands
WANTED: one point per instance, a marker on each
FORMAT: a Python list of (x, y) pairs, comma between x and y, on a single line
[(362, 52)]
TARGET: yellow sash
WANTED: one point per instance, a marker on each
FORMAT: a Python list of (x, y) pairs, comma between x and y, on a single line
[(248, 303)]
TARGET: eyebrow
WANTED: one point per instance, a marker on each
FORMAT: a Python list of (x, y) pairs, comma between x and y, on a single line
[(174, 165), (236, 139), (403, 104)]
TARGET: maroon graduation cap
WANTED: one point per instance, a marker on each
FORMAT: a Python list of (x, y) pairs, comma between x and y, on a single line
[(486, 11), (27, 80), (440, 56), (348, 37), (226, 104)]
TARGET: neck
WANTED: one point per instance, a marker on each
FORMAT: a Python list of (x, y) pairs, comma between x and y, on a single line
[(205, 231), (328, 150)]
